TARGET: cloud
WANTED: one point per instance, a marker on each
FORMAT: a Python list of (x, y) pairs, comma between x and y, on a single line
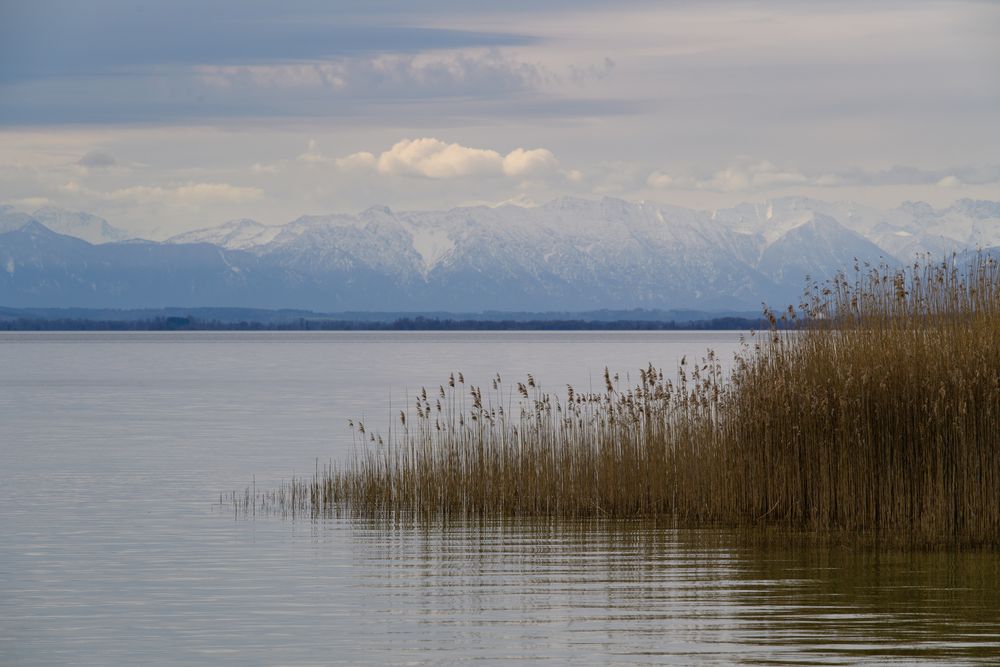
[(740, 176), (435, 159), (744, 175), (660, 180), (32, 203), (583, 74), (361, 161), (270, 169), (769, 176), (97, 160), (313, 156), (909, 175), (521, 163), (43, 40), (192, 193), (487, 74), (730, 179)]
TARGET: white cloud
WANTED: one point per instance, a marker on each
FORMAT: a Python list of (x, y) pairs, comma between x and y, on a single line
[(271, 169), (660, 180), (435, 159), (361, 161), (521, 163), (729, 179)]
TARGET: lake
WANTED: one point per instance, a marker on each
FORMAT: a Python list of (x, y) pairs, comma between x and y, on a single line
[(115, 549)]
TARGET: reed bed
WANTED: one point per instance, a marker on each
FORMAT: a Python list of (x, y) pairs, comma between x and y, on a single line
[(878, 413)]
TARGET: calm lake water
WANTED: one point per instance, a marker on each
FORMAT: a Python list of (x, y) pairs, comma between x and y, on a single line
[(114, 549)]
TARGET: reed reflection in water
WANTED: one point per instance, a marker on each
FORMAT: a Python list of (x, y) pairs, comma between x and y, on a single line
[(640, 594)]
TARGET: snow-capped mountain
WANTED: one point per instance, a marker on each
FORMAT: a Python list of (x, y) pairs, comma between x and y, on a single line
[(11, 219), (911, 229), (235, 235), (569, 254), (71, 223), (817, 248)]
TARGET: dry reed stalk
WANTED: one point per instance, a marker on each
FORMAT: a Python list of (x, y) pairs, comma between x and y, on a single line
[(879, 414)]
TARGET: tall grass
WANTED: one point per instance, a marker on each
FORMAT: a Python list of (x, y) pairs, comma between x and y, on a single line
[(878, 414)]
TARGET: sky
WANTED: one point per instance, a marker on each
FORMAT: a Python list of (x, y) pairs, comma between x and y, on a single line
[(169, 116)]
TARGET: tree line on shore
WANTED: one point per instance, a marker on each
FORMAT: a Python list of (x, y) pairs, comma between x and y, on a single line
[(192, 323)]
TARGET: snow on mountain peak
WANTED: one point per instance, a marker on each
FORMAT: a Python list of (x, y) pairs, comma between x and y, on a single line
[(377, 210), (86, 226), (570, 253), (11, 218), (240, 234), (432, 244), (978, 208)]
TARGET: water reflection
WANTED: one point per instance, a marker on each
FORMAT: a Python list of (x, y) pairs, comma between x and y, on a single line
[(633, 594)]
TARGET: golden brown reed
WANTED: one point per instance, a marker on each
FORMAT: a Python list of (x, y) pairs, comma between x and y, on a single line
[(878, 415)]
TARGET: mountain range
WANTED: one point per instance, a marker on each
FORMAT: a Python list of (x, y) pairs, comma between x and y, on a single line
[(567, 255)]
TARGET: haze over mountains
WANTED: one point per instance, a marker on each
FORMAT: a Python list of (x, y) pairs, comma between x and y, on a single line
[(566, 255)]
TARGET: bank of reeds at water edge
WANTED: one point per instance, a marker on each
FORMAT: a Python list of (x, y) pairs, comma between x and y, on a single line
[(878, 414)]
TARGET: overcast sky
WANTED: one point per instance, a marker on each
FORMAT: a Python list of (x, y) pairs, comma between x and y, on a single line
[(167, 116)]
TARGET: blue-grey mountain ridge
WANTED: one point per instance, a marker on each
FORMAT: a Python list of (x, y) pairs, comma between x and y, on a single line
[(567, 255)]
